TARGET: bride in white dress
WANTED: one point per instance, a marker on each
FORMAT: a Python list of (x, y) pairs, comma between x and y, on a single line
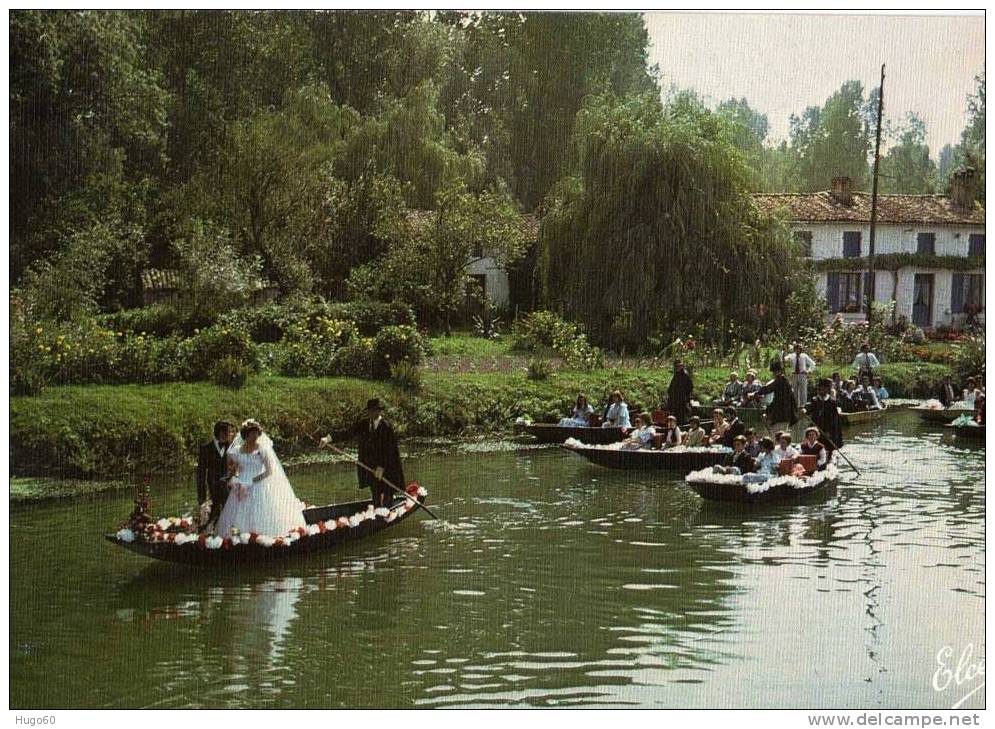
[(261, 498)]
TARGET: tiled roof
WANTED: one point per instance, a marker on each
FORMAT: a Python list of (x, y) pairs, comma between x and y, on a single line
[(822, 207), (530, 223)]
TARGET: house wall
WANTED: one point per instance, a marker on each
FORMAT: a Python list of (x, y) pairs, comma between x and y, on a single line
[(827, 238), (827, 242), (496, 280)]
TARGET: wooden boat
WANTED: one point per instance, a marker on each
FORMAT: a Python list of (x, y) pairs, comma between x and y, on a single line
[(551, 433), (975, 432), (941, 416), (203, 552), (679, 459), (777, 490), (862, 416)]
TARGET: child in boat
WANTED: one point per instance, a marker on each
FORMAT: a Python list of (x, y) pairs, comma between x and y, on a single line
[(753, 446), (767, 460), (672, 435), (617, 414), (719, 427), (812, 447), (868, 395), (696, 436), (837, 386), (739, 461), (849, 401), (784, 448), (880, 391), (581, 414), (642, 436)]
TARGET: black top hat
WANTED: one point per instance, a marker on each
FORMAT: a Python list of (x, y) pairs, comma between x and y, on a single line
[(373, 404)]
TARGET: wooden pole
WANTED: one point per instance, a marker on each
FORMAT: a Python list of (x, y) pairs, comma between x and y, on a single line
[(874, 203)]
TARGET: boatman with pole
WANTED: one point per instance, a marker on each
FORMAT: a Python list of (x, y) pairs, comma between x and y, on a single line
[(379, 452), (782, 413), (825, 414)]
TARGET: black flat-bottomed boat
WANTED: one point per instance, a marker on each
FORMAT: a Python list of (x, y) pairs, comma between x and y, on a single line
[(671, 459), (776, 490), (974, 432), (552, 433), (941, 416), (327, 527)]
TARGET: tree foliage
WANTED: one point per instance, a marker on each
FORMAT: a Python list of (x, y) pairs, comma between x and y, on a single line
[(658, 231), (907, 167)]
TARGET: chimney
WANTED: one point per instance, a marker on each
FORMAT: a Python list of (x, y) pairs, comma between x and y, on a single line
[(963, 188), (841, 190)]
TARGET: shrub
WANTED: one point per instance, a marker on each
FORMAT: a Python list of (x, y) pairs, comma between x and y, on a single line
[(230, 372), (539, 369), (272, 322), (395, 344), (406, 376), (544, 330), (202, 352), (160, 320), (355, 360), (310, 351), (969, 357)]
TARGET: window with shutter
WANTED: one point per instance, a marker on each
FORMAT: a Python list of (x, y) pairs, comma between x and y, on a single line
[(926, 244), (957, 294), (804, 239), (976, 244), (833, 292), (851, 244)]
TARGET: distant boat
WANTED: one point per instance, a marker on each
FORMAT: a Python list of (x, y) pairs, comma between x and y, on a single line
[(862, 416), (551, 433), (776, 490), (975, 432), (941, 416), (671, 459)]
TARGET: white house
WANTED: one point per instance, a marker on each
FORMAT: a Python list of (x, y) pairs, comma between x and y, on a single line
[(929, 249)]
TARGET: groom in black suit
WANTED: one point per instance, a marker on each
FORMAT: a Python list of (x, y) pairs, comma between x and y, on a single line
[(378, 450), (212, 469)]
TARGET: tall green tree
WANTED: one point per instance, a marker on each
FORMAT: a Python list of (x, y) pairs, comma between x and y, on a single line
[(833, 140), (907, 168), (657, 231)]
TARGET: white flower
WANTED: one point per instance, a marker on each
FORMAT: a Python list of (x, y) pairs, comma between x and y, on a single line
[(264, 541), (355, 519), (391, 515), (125, 535), (163, 524), (313, 529), (330, 524), (422, 491), (214, 542), (382, 511)]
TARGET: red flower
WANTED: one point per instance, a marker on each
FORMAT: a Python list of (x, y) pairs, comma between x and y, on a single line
[(302, 531), (253, 537), (226, 543), (202, 540), (413, 488), (171, 537), (278, 542), (321, 527), (690, 343)]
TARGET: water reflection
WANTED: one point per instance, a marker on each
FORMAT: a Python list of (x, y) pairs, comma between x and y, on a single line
[(551, 582)]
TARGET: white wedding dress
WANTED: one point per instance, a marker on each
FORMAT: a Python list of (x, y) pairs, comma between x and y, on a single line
[(268, 506)]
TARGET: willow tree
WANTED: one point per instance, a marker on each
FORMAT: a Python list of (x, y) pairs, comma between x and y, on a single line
[(657, 232)]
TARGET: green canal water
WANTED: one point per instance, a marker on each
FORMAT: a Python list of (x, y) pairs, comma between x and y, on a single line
[(551, 582)]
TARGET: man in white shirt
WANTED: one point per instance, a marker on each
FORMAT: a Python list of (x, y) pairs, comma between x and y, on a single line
[(798, 366), (865, 363)]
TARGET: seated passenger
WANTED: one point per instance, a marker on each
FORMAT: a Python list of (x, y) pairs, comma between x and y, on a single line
[(837, 386), (849, 401), (672, 434), (868, 395), (642, 436), (767, 460), (580, 416), (696, 436), (812, 447), (753, 444), (749, 387), (719, 427), (784, 448), (739, 461), (880, 391), (617, 414), (970, 394), (732, 393)]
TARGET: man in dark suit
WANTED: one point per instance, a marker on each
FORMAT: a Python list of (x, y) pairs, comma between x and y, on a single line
[(212, 470), (782, 412), (679, 393), (378, 450), (947, 393), (736, 427), (825, 413)]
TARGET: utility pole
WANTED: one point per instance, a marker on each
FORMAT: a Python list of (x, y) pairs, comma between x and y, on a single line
[(874, 203)]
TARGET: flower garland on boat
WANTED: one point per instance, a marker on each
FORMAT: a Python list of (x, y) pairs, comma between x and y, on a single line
[(574, 443), (165, 530), (706, 475)]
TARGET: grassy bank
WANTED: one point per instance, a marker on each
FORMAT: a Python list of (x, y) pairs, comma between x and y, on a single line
[(122, 432)]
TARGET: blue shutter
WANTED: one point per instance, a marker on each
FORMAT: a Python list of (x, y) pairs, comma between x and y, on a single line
[(957, 294), (851, 244), (833, 291), (976, 244)]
